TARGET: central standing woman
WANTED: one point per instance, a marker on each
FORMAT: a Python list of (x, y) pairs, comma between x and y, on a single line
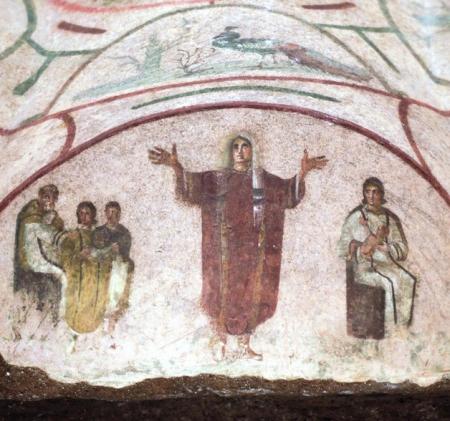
[(242, 234)]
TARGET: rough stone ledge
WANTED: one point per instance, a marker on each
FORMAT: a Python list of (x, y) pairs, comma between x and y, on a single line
[(27, 384)]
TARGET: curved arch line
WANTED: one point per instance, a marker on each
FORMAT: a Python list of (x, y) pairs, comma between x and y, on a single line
[(74, 7), (315, 26), (108, 99), (68, 155)]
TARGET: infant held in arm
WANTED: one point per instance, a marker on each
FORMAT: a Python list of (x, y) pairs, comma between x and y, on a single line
[(370, 244)]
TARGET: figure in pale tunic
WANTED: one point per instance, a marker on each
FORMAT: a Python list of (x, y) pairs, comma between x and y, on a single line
[(375, 246), (38, 277), (115, 237)]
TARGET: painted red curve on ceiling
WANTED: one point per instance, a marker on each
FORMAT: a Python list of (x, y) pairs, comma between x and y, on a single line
[(80, 29), (72, 6), (330, 6), (73, 152), (403, 108), (331, 82)]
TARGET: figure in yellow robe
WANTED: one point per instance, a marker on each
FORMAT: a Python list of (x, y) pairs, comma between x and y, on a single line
[(88, 272)]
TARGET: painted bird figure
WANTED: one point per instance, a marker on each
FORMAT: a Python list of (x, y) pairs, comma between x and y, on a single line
[(231, 39)]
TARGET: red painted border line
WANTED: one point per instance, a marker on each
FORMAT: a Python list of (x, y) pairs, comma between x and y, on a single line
[(73, 27), (403, 107), (61, 159), (4, 132), (330, 6), (221, 80), (71, 131), (71, 6)]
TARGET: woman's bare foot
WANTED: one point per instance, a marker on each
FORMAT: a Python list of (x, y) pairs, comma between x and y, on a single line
[(251, 355), (246, 351)]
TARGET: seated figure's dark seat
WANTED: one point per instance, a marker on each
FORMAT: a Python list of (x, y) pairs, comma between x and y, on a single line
[(365, 308)]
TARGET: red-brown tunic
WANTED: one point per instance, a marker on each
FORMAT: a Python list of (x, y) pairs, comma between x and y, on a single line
[(241, 258)]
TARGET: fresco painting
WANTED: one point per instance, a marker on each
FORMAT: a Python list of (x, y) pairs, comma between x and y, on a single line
[(81, 275), (380, 290), (242, 234), (244, 189), (37, 276)]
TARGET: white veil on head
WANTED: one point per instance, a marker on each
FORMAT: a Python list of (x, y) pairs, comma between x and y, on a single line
[(226, 153), (257, 172)]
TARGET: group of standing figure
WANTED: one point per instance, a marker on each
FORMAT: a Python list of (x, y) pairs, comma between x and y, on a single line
[(82, 275)]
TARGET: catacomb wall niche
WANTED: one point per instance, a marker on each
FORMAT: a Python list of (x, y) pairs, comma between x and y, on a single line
[(224, 190)]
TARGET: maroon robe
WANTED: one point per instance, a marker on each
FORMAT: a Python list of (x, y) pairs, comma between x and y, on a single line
[(241, 257)]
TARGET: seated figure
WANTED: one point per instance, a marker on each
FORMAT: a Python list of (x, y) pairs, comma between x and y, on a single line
[(37, 272), (380, 290)]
